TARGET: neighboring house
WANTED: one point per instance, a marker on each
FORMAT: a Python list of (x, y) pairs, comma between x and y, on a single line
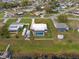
[(29, 8), (63, 6), (57, 9), (15, 27), (38, 13), (70, 4), (39, 29), (76, 11), (9, 1), (20, 13), (61, 27)]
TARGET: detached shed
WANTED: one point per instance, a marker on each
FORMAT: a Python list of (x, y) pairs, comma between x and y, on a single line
[(61, 27)]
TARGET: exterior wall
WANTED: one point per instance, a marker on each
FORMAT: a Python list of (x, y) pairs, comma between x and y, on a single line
[(13, 30), (61, 29)]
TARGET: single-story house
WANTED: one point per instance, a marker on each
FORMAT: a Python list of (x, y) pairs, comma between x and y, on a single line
[(63, 6), (38, 13), (39, 29), (7, 1), (20, 13), (70, 4), (61, 27), (76, 11), (15, 27)]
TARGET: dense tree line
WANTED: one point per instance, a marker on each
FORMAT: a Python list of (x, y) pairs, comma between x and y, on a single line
[(13, 4)]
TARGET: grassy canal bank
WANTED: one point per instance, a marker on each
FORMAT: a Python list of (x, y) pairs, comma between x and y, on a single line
[(38, 47)]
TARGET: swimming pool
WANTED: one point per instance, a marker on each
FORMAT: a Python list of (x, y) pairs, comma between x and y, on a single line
[(40, 33)]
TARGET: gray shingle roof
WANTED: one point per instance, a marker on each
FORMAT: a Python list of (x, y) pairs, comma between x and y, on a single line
[(60, 25)]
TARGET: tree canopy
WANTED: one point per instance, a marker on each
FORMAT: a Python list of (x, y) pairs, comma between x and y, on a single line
[(62, 18)]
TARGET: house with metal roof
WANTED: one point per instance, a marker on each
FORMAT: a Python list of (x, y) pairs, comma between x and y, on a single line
[(10, 1), (61, 27)]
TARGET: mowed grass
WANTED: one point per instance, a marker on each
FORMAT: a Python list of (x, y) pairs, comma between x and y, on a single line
[(46, 21), (70, 44), (73, 24), (72, 16), (10, 21), (26, 20), (40, 47), (1, 16), (50, 26)]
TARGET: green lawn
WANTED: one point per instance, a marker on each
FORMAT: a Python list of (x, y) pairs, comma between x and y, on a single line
[(1, 16), (10, 21), (70, 44), (49, 25), (73, 16), (26, 20), (73, 24), (52, 46)]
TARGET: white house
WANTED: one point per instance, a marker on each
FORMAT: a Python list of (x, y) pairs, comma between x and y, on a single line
[(39, 29)]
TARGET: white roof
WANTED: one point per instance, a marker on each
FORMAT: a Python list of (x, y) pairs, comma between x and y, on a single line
[(14, 27), (39, 27), (60, 36), (20, 12)]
